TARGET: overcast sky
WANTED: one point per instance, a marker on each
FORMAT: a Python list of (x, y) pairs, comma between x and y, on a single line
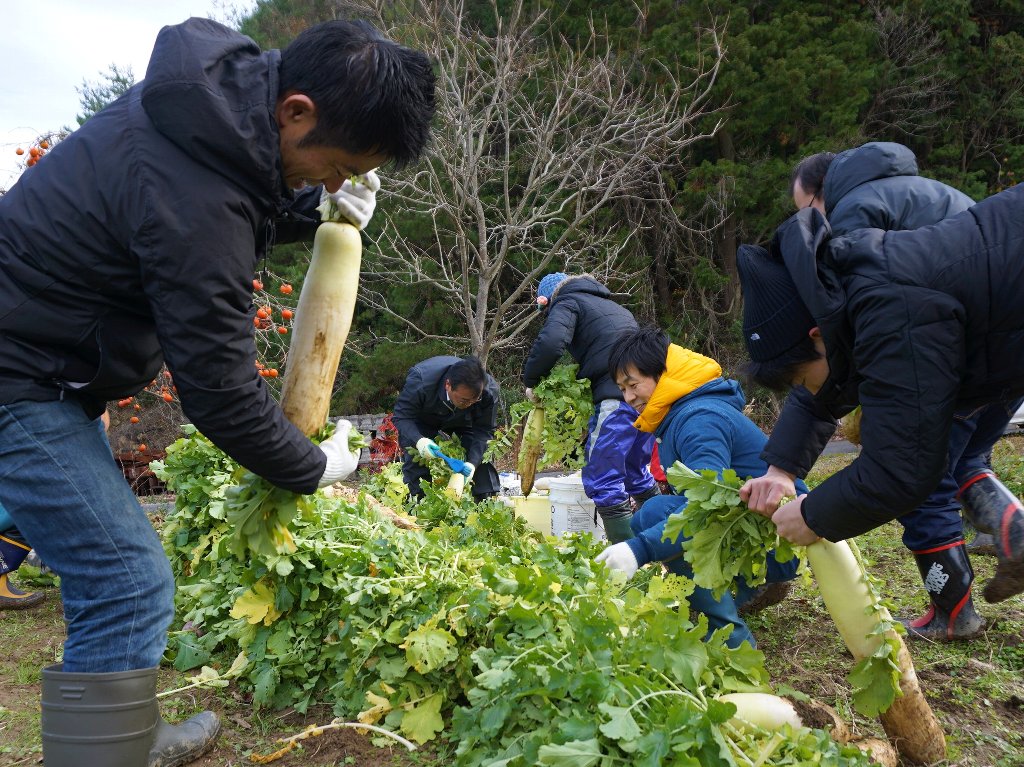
[(48, 49)]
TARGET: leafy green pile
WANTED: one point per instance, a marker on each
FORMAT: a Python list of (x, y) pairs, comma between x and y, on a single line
[(260, 513), (727, 540), (568, 405), (522, 650)]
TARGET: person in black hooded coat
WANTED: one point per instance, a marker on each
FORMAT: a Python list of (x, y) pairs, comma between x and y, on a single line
[(913, 326), (135, 241), (581, 317), (877, 185)]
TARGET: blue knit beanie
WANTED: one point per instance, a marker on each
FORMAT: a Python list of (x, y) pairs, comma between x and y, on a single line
[(548, 285)]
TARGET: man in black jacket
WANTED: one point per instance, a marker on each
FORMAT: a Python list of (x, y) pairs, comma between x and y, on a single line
[(136, 241), (581, 317), (877, 186), (915, 327), (455, 396)]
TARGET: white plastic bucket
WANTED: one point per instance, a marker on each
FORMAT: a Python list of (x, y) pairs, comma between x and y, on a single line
[(571, 510)]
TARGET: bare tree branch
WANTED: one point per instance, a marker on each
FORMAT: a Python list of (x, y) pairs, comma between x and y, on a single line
[(536, 141), (914, 88)]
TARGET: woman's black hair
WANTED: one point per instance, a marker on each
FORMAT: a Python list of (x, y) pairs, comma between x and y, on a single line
[(372, 95), (644, 348), (468, 371), (777, 374), (810, 172)]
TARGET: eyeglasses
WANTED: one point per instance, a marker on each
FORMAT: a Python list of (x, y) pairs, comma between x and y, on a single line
[(464, 401), (458, 400)]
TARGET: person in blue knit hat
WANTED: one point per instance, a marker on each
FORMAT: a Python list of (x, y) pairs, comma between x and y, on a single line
[(546, 288), (581, 317)]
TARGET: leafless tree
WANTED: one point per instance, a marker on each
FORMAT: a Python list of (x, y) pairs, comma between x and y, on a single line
[(536, 142), (913, 88)]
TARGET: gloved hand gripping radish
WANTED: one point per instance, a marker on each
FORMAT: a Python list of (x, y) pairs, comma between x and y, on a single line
[(619, 556), (427, 448), (355, 201), (342, 458)]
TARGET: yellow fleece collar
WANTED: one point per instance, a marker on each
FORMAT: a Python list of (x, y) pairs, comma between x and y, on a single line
[(685, 371)]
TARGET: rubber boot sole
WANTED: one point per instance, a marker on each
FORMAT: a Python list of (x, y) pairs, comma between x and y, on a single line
[(931, 633), (181, 744), (30, 600)]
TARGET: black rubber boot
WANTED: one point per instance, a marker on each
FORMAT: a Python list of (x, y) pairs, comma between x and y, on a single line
[(981, 545), (947, 575), (179, 744), (646, 495), (993, 509), (100, 720), (112, 720), (616, 521)]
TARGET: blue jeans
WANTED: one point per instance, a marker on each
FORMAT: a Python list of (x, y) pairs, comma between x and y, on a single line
[(73, 506), (973, 433), (720, 612), (618, 455)]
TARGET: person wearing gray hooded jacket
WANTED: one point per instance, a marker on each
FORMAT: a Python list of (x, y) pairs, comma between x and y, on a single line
[(136, 240)]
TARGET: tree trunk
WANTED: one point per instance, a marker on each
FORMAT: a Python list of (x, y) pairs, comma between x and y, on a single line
[(725, 238)]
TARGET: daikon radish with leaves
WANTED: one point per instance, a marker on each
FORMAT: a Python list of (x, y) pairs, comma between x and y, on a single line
[(726, 542), (258, 511), (870, 634), (758, 710), (530, 448)]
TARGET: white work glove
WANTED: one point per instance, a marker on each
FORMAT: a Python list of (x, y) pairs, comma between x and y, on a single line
[(427, 447), (530, 395), (340, 460), (456, 485), (619, 557), (357, 201)]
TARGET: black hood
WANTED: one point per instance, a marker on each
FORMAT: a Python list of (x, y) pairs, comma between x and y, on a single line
[(203, 68), (804, 243)]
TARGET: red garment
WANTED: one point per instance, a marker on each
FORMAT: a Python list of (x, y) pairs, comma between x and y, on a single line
[(656, 470)]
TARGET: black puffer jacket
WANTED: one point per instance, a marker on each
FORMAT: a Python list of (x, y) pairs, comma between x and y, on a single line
[(422, 409), (583, 319), (916, 324), (137, 239), (873, 186)]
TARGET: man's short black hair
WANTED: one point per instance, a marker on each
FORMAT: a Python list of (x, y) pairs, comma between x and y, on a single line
[(645, 348), (810, 172), (468, 371), (372, 95), (777, 374)]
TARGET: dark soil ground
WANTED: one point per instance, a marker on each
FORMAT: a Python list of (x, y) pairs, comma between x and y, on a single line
[(976, 688)]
